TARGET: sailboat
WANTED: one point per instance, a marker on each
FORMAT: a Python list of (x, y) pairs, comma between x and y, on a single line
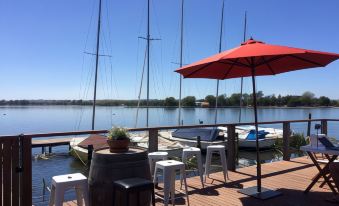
[(218, 136), (173, 148), (79, 145)]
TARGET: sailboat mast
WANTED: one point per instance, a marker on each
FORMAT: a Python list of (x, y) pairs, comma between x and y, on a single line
[(220, 45), (242, 79), (96, 65), (181, 58), (148, 52)]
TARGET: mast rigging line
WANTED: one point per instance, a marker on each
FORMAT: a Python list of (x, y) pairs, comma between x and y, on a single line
[(181, 58), (242, 79), (220, 47), (140, 89), (96, 65)]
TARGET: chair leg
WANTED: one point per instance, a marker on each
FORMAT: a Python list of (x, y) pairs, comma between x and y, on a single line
[(52, 196), (200, 168), (59, 196), (184, 160), (167, 185), (85, 194), (173, 187), (223, 163), (79, 196), (114, 195), (127, 198), (153, 196), (155, 178), (207, 164), (138, 198), (186, 190)]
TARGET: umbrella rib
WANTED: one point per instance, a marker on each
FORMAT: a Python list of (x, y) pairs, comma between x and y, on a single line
[(229, 70), (199, 69), (269, 66), (248, 61), (236, 62), (271, 60), (308, 61)]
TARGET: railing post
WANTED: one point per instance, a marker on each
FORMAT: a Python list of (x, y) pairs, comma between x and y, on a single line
[(286, 143), (309, 125), (152, 140), (90, 149), (231, 150), (324, 127), (26, 175)]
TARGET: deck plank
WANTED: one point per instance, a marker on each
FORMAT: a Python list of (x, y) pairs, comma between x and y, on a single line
[(289, 177)]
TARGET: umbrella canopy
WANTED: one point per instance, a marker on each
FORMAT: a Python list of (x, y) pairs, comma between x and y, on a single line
[(255, 58), (267, 59)]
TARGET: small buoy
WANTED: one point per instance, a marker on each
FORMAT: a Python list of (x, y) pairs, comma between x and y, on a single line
[(4, 114), (113, 114)]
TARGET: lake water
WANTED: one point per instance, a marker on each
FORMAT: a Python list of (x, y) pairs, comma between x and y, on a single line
[(37, 119)]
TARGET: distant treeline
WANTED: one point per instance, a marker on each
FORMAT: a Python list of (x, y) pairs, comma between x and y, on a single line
[(306, 99)]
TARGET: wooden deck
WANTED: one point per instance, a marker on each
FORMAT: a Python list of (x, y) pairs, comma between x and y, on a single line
[(289, 177)]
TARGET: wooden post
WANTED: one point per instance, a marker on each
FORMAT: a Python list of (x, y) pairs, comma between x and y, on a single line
[(89, 154), (324, 127), (26, 178), (309, 125), (50, 149), (199, 142), (231, 156), (152, 140), (286, 136)]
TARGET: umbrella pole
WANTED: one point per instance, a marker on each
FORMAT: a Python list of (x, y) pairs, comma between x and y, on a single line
[(258, 191), (256, 133)]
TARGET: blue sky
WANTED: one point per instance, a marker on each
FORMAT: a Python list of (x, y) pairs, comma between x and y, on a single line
[(42, 45)]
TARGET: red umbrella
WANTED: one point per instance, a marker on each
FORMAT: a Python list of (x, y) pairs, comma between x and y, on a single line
[(255, 58)]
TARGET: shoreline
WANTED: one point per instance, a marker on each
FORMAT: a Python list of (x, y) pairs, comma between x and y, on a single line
[(172, 107)]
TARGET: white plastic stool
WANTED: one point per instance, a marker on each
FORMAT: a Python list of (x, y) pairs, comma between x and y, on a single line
[(190, 152), (62, 183), (153, 157), (216, 149), (169, 168)]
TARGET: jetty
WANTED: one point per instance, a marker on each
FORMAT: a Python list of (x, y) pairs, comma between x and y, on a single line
[(50, 143)]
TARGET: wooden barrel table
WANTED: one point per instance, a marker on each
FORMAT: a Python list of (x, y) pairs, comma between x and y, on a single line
[(107, 167)]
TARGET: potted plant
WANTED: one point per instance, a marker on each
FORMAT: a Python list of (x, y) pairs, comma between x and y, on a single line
[(118, 140)]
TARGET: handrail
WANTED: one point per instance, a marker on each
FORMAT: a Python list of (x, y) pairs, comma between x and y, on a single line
[(55, 134)]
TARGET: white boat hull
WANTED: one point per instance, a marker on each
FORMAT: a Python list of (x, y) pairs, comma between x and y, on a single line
[(251, 144), (244, 143), (78, 152)]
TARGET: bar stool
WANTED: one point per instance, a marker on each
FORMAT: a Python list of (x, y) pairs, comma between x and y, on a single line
[(133, 185), (216, 149), (62, 183), (169, 168), (153, 157), (190, 152)]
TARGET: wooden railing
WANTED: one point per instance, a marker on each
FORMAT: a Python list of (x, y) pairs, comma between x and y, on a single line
[(16, 170)]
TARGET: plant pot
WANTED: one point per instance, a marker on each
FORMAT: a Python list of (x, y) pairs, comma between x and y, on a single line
[(118, 146)]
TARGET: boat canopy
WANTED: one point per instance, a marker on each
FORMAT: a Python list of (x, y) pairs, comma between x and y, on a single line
[(205, 134), (261, 134), (98, 141)]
